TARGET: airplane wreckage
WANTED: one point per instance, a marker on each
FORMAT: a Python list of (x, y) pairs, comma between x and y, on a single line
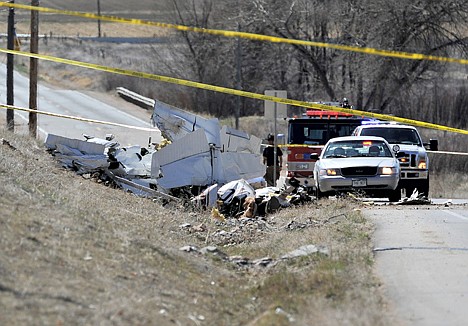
[(197, 162)]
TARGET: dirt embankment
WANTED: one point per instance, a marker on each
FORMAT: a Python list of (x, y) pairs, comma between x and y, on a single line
[(78, 252)]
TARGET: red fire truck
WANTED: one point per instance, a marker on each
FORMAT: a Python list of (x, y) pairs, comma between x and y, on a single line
[(308, 134)]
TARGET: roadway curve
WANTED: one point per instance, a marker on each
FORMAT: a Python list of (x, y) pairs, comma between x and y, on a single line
[(74, 103), (422, 259)]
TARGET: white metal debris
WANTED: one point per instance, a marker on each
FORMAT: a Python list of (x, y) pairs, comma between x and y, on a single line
[(78, 154), (202, 153), (225, 164), (415, 199)]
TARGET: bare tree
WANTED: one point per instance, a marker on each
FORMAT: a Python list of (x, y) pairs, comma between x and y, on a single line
[(374, 83), (312, 73), (205, 58)]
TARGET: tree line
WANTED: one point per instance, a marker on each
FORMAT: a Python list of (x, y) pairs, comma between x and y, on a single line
[(419, 89)]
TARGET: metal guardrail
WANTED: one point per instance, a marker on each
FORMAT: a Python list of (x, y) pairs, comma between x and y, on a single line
[(135, 98)]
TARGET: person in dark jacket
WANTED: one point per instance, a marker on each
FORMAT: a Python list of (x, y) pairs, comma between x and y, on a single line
[(269, 161)]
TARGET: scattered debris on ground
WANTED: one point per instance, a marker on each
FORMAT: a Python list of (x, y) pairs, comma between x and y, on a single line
[(415, 199), (130, 168), (7, 143), (241, 261), (78, 242), (198, 163)]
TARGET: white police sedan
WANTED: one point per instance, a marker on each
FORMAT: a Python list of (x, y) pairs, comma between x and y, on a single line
[(364, 164)]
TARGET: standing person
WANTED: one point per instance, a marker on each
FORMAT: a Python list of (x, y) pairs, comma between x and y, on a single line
[(269, 160)]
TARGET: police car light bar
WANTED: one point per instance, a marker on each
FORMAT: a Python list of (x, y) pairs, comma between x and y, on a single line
[(377, 122)]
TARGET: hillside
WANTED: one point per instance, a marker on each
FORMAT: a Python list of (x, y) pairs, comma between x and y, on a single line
[(77, 252), (53, 24), (144, 8)]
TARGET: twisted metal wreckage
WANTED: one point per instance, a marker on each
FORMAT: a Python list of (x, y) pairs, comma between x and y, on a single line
[(197, 160)]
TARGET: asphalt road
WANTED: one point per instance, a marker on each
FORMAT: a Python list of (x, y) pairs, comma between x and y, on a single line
[(422, 260), (74, 103)]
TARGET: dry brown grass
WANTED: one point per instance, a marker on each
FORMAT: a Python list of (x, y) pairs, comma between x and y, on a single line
[(78, 252), (90, 29), (65, 25), (448, 171)]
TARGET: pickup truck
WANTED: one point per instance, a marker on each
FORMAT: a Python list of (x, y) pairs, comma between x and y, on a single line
[(414, 161)]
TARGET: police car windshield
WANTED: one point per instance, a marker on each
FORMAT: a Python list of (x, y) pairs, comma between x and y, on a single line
[(357, 148), (405, 136)]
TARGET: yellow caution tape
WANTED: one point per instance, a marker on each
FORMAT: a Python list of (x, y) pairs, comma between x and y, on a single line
[(231, 91), (11, 107), (250, 36)]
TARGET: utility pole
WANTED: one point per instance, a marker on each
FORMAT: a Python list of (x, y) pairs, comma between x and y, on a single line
[(10, 67), (238, 76), (99, 14), (238, 66), (33, 67)]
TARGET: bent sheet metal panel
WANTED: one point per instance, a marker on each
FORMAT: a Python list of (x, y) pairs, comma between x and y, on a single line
[(175, 123), (201, 152), (241, 166), (192, 161), (83, 146), (233, 140), (187, 161)]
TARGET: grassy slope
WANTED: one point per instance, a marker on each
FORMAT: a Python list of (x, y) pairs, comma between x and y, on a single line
[(77, 252)]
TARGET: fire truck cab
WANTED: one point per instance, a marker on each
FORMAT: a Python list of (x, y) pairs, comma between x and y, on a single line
[(308, 134)]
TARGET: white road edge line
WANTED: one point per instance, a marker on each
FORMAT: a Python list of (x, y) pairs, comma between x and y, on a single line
[(27, 122), (456, 215)]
